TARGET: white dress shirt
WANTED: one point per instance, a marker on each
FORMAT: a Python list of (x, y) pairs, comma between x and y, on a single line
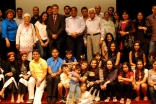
[(19, 20), (76, 24), (101, 15), (94, 26)]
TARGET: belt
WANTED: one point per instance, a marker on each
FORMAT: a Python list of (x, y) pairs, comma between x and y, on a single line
[(94, 34)]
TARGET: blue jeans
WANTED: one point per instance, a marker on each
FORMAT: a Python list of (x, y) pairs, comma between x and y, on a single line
[(152, 93), (42, 50), (74, 87)]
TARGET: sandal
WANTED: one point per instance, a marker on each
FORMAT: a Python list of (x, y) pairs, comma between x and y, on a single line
[(137, 98), (107, 100), (114, 99), (145, 98), (128, 101), (122, 101)]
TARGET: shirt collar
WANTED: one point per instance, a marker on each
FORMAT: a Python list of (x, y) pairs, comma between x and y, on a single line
[(72, 17), (37, 62), (19, 18), (93, 19), (54, 60)]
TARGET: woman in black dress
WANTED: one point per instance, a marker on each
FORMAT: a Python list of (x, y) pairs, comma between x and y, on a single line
[(11, 76), (24, 74)]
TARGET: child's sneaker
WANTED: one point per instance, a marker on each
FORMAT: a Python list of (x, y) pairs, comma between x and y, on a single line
[(61, 99), (64, 99)]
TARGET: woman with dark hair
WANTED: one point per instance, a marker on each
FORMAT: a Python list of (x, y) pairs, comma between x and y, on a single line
[(108, 39), (113, 53), (95, 78), (126, 28), (140, 79), (42, 36), (125, 79), (136, 54), (49, 10), (2, 63), (9, 29), (24, 74), (11, 76), (116, 21), (140, 33), (110, 76)]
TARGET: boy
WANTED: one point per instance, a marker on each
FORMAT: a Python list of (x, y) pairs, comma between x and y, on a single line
[(69, 60), (74, 83), (64, 82)]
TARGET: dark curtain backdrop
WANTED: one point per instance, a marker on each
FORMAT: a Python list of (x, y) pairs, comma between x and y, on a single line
[(7, 4), (133, 6)]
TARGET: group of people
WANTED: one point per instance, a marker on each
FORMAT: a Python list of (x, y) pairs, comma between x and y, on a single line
[(46, 51)]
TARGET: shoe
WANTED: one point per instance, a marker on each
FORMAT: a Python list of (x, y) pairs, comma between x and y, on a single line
[(30, 101), (65, 99), (48, 99), (54, 100), (61, 99)]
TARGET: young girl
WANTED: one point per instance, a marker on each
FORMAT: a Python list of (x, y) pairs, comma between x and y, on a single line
[(85, 95), (125, 79), (84, 71), (136, 54), (141, 76), (97, 56), (109, 38), (113, 53), (95, 78), (110, 76), (23, 69)]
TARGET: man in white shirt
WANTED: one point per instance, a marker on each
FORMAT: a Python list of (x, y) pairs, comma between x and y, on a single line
[(94, 36), (75, 26), (98, 11), (19, 18)]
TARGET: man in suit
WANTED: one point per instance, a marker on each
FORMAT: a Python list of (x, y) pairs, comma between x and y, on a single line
[(55, 29)]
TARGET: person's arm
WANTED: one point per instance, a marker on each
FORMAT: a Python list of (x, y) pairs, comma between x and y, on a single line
[(150, 82), (18, 35), (33, 33), (49, 27), (50, 70), (62, 27), (144, 59), (67, 28), (114, 76), (151, 58), (45, 66), (130, 59), (128, 79), (59, 71), (32, 71), (102, 30), (82, 28), (117, 59), (38, 35), (101, 77), (4, 30)]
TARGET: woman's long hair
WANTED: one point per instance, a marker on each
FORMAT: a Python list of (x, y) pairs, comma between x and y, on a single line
[(106, 41), (122, 72), (140, 52), (96, 70), (40, 17), (110, 51), (137, 71), (106, 70)]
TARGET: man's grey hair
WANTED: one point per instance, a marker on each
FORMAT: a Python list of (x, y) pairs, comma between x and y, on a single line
[(91, 9)]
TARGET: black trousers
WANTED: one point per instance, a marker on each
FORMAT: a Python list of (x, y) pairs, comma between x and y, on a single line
[(22, 89), (76, 45), (52, 86), (125, 88), (111, 87), (5, 50)]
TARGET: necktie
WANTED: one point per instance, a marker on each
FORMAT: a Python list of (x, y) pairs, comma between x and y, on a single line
[(54, 19)]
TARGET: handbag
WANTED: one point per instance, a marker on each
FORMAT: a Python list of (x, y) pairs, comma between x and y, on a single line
[(129, 42), (148, 34)]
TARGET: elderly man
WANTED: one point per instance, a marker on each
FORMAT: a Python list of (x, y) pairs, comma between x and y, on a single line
[(94, 36), (98, 11)]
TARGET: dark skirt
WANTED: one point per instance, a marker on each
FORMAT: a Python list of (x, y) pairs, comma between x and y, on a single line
[(22, 89)]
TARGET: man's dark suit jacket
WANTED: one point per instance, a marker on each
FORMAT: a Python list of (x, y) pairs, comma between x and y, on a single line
[(57, 28)]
